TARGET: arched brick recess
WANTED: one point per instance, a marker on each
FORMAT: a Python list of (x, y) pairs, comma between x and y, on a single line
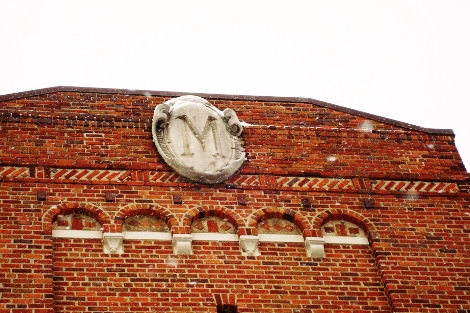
[(286, 214), (76, 208), (220, 212), (347, 215), (372, 235), (145, 209)]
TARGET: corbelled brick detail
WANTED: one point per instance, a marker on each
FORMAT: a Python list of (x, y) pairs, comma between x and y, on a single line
[(278, 226)]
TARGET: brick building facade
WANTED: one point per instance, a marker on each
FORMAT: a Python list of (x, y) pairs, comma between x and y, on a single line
[(332, 210)]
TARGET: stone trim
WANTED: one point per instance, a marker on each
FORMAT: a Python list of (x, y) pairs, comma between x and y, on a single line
[(80, 234), (143, 235), (280, 238), (113, 243), (182, 243), (214, 237), (192, 153), (249, 245), (146, 235), (315, 247), (346, 240)]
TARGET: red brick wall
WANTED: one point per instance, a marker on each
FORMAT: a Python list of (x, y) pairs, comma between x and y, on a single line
[(306, 161), (150, 278)]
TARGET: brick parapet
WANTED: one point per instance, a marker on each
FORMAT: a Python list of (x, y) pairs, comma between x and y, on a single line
[(128, 101), (337, 144)]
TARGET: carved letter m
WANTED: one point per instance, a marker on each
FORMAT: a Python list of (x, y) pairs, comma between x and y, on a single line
[(211, 124)]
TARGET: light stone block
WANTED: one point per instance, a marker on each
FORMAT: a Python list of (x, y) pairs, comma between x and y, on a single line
[(113, 243), (249, 245), (315, 247), (182, 244), (197, 140)]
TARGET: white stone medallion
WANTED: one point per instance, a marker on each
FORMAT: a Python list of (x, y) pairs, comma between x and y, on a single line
[(197, 140)]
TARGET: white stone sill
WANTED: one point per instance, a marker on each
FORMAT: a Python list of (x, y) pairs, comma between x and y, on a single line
[(71, 233), (141, 235), (214, 237), (280, 238), (146, 235), (345, 240)]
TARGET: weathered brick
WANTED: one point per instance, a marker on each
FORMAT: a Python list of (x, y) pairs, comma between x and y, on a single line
[(307, 163)]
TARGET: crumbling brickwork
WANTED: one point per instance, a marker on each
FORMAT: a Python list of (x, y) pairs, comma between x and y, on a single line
[(81, 162)]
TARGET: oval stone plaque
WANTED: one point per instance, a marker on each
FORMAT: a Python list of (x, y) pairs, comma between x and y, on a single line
[(197, 140)]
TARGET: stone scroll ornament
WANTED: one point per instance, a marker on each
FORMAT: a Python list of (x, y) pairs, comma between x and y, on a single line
[(197, 140)]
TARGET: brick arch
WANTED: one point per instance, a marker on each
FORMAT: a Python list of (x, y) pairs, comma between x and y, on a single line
[(221, 212), (347, 215), (75, 208), (145, 209), (286, 214), (372, 235)]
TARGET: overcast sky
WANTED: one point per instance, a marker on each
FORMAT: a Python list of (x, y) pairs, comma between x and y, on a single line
[(408, 60)]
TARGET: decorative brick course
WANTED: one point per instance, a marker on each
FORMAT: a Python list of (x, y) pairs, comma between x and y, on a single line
[(165, 178), (90, 175), (278, 226), (342, 228), (145, 223), (14, 172), (75, 222), (213, 224), (143, 210)]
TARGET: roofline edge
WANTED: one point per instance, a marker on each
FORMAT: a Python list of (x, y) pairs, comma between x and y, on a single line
[(42, 91)]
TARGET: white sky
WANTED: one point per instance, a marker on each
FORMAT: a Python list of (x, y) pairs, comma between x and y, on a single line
[(407, 60)]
